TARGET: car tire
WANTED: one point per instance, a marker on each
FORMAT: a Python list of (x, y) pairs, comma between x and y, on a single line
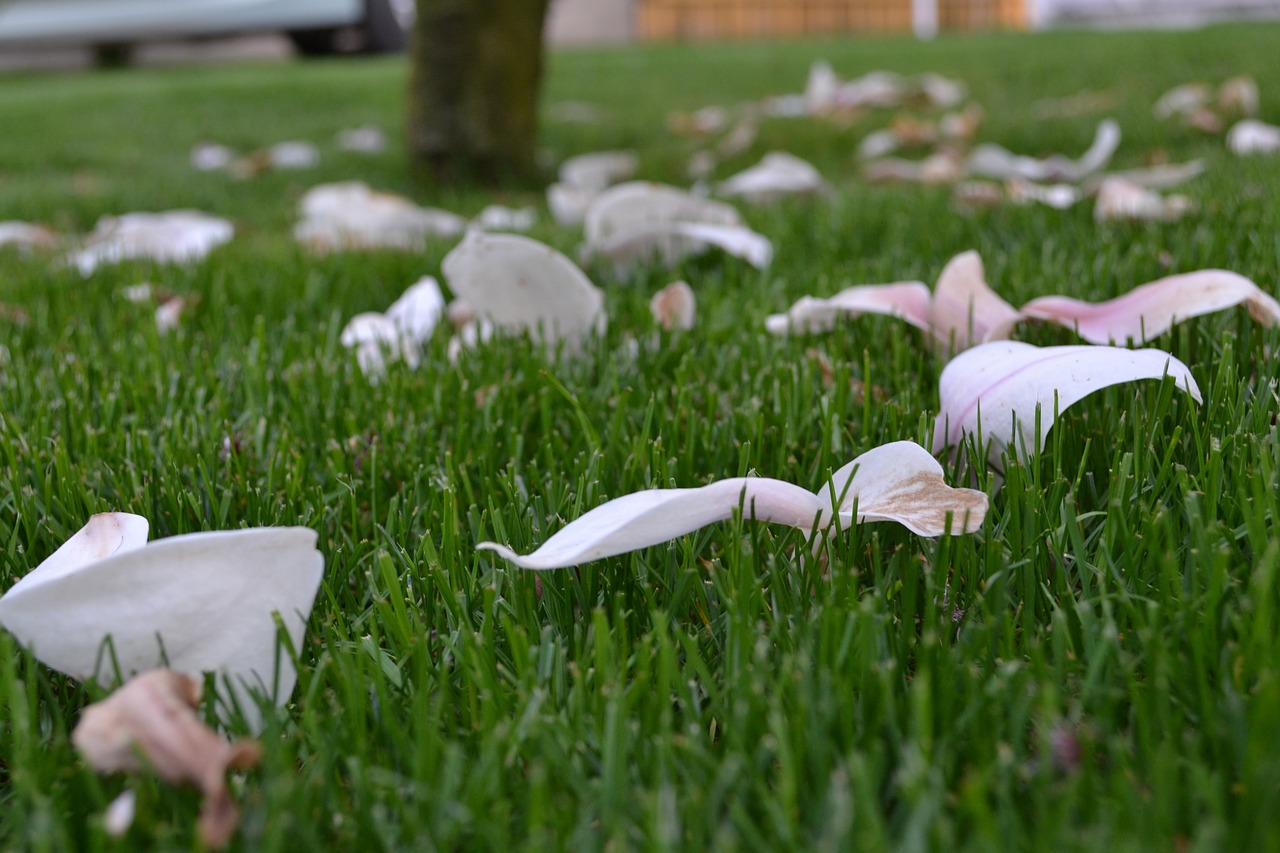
[(381, 31)]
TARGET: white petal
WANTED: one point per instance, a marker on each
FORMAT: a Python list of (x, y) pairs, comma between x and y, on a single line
[(641, 204), (998, 162), (1121, 199), (902, 482), (350, 215), (674, 306), (104, 535), (418, 311), (203, 602), (907, 300), (293, 155), (670, 242), (118, 817), (177, 236), (599, 169), (24, 235), (777, 175), (523, 285), (1006, 381), (654, 516), (1253, 137), (1149, 311)]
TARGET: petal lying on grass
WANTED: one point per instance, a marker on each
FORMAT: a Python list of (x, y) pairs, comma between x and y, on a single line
[(1149, 311), (995, 161), (598, 170), (24, 235), (776, 176), (1003, 383), (202, 602), (1122, 199), (380, 339), (366, 139), (210, 156), (150, 724), (633, 223), (961, 311), (1253, 137), (497, 217), (521, 285), (674, 306), (176, 236), (895, 482), (350, 215)]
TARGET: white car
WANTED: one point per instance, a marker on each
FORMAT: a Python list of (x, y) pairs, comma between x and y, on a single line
[(315, 26)]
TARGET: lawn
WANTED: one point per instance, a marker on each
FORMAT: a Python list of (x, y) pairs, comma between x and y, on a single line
[(1097, 668)]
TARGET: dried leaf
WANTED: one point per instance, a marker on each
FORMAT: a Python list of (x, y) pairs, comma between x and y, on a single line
[(150, 724)]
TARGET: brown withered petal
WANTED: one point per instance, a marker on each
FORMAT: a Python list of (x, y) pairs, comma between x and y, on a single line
[(150, 724)]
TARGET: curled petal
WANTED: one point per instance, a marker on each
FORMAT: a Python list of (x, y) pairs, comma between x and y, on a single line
[(997, 162), (1003, 383), (907, 300), (203, 602), (1149, 311), (779, 174), (672, 241), (902, 482), (654, 516), (965, 310), (897, 482)]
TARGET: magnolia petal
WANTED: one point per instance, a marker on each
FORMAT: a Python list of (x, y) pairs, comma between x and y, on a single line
[(1003, 383), (902, 482), (598, 170), (777, 175), (150, 724), (522, 285), (1160, 177), (1251, 136), (964, 310), (350, 215), (176, 236), (497, 217), (641, 205), (376, 341), (907, 300), (996, 161), (1121, 199), (651, 517), (1149, 311), (293, 154), (202, 602), (418, 310), (366, 139), (568, 204), (1181, 100), (672, 241), (24, 235), (674, 306)]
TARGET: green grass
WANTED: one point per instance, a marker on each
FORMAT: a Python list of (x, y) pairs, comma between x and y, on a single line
[(1097, 669)]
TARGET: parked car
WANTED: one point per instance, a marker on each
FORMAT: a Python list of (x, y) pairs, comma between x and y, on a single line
[(315, 26)]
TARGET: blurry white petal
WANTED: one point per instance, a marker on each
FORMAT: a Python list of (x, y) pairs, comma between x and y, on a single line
[(202, 602), (210, 156), (522, 285), (877, 144), (1181, 100), (568, 204), (1152, 177), (777, 175), (367, 139), (293, 155), (598, 170), (177, 236), (897, 482), (169, 314), (1239, 95), (139, 293), (376, 340), (1149, 311), (497, 217), (1253, 137), (907, 300), (24, 235), (821, 88), (674, 306), (418, 311), (118, 817), (673, 241), (1057, 196), (350, 215), (1004, 383), (998, 162), (1121, 199)]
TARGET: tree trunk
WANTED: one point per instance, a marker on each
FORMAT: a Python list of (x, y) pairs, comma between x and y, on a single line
[(476, 67)]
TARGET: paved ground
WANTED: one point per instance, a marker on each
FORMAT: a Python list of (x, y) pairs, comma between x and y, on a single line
[(256, 48)]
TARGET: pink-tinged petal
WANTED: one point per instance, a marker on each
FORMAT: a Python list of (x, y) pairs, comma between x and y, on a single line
[(203, 602), (965, 311), (104, 535), (907, 300), (654, 516), (1004, 382), (1149, 311), (902, 482), (675, 306)]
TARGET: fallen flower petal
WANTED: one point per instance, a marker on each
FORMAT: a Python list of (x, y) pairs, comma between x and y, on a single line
[(1004, 384), (895, 482), (349, 215), (1149, 311), (1253, 137), (568, 204), (24, 235), (674, 306), (366, 139), (996, 161), (496, 217), (964, 310), (293, 154), (177, 236), (598, 170), (202, 602), (777, 175), (522, 285), (1121, 199), (119, 814), (150, 724), (380, 339), (907, 300)]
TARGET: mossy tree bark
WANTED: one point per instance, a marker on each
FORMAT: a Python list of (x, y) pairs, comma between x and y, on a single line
[(475, 72)]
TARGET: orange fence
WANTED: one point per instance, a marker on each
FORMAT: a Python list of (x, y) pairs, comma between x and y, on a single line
[(709, 19)]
